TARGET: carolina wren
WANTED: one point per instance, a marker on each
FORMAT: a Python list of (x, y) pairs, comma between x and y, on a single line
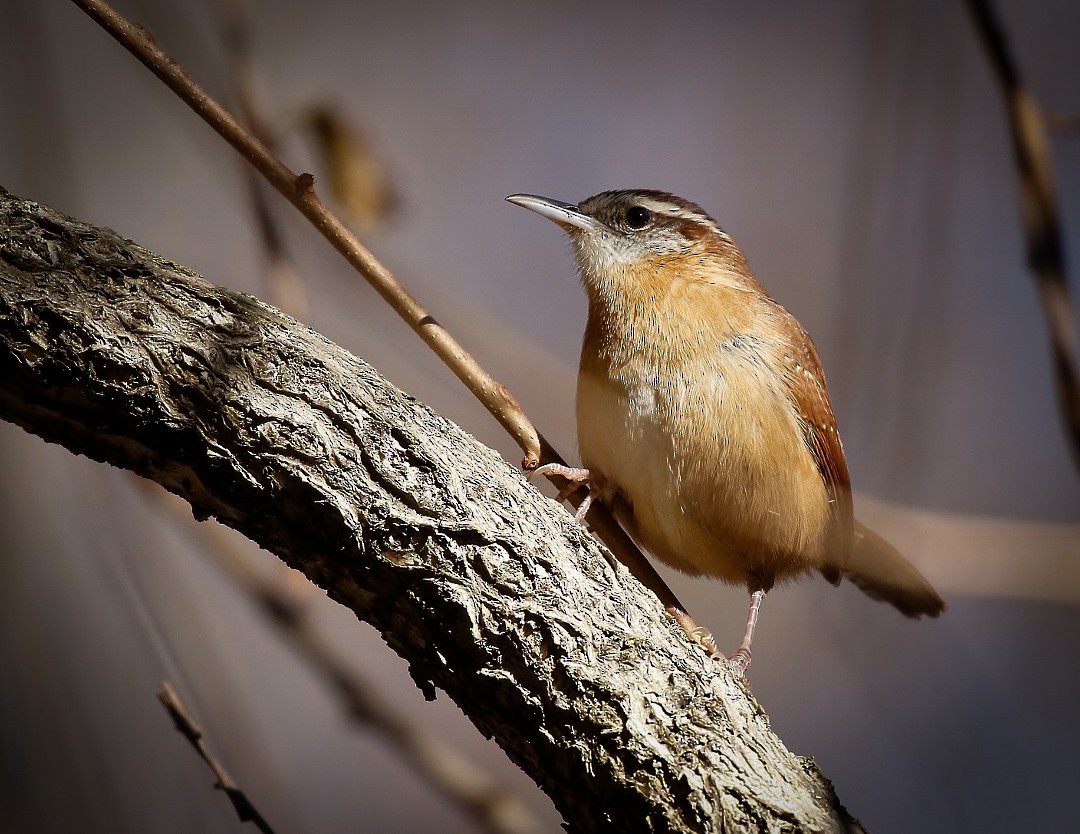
[(702, 414)]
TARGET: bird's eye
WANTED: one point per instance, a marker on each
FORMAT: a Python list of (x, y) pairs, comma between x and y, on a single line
[(638, 217)]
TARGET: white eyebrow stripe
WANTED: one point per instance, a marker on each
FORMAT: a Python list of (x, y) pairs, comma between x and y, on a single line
[(672, 210)]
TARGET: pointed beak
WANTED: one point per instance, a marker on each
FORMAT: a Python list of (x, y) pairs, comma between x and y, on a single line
[(565, 214)]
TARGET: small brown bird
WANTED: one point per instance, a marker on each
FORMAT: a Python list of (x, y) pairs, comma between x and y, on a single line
[(702, 413)]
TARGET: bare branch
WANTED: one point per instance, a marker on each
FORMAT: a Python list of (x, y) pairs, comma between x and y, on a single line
[(1039, 211), (187, 727)]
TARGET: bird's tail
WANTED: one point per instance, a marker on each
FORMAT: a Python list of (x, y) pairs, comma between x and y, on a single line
[(879, 570)]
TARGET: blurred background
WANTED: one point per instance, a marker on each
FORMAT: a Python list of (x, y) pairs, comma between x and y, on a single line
[(858, 151)]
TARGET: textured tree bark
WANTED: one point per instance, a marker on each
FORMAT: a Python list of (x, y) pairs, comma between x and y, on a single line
[(489, 590)]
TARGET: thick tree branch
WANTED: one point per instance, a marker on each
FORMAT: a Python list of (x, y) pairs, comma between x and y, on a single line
[(489, 590)]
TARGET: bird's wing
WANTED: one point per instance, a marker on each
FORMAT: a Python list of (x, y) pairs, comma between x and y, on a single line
[(806, 383)]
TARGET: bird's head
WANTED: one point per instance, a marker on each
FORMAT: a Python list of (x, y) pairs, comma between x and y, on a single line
[(631, 239)]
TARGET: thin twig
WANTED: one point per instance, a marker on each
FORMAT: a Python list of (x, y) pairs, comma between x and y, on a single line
[(286, 600), (187, 727), (298, 190), (1038, 209)]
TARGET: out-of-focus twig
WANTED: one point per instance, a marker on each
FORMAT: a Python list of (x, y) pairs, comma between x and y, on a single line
[(1063, 123), (1038, 208), (187, 727), (286, 600), (298, 189), (284, 286)]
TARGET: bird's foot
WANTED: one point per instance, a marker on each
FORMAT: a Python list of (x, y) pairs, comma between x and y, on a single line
[(739, 661), (571, 473), (577, 477), (703, 637), (697, 634)]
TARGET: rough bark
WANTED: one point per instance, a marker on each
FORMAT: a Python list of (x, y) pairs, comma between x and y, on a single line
[(488, 590)]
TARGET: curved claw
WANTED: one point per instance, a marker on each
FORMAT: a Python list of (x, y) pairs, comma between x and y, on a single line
[(739, 662), (577, 478), (583, 508)]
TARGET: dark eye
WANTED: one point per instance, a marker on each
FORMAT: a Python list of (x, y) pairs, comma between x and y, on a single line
[(638, 217)]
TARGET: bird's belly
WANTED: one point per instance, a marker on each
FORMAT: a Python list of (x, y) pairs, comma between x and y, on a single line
[(711, 490)]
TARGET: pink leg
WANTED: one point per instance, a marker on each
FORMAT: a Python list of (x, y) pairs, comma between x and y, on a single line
[(739, 662)]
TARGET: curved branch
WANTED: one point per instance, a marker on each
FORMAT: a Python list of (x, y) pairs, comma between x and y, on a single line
[(489, 590)]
